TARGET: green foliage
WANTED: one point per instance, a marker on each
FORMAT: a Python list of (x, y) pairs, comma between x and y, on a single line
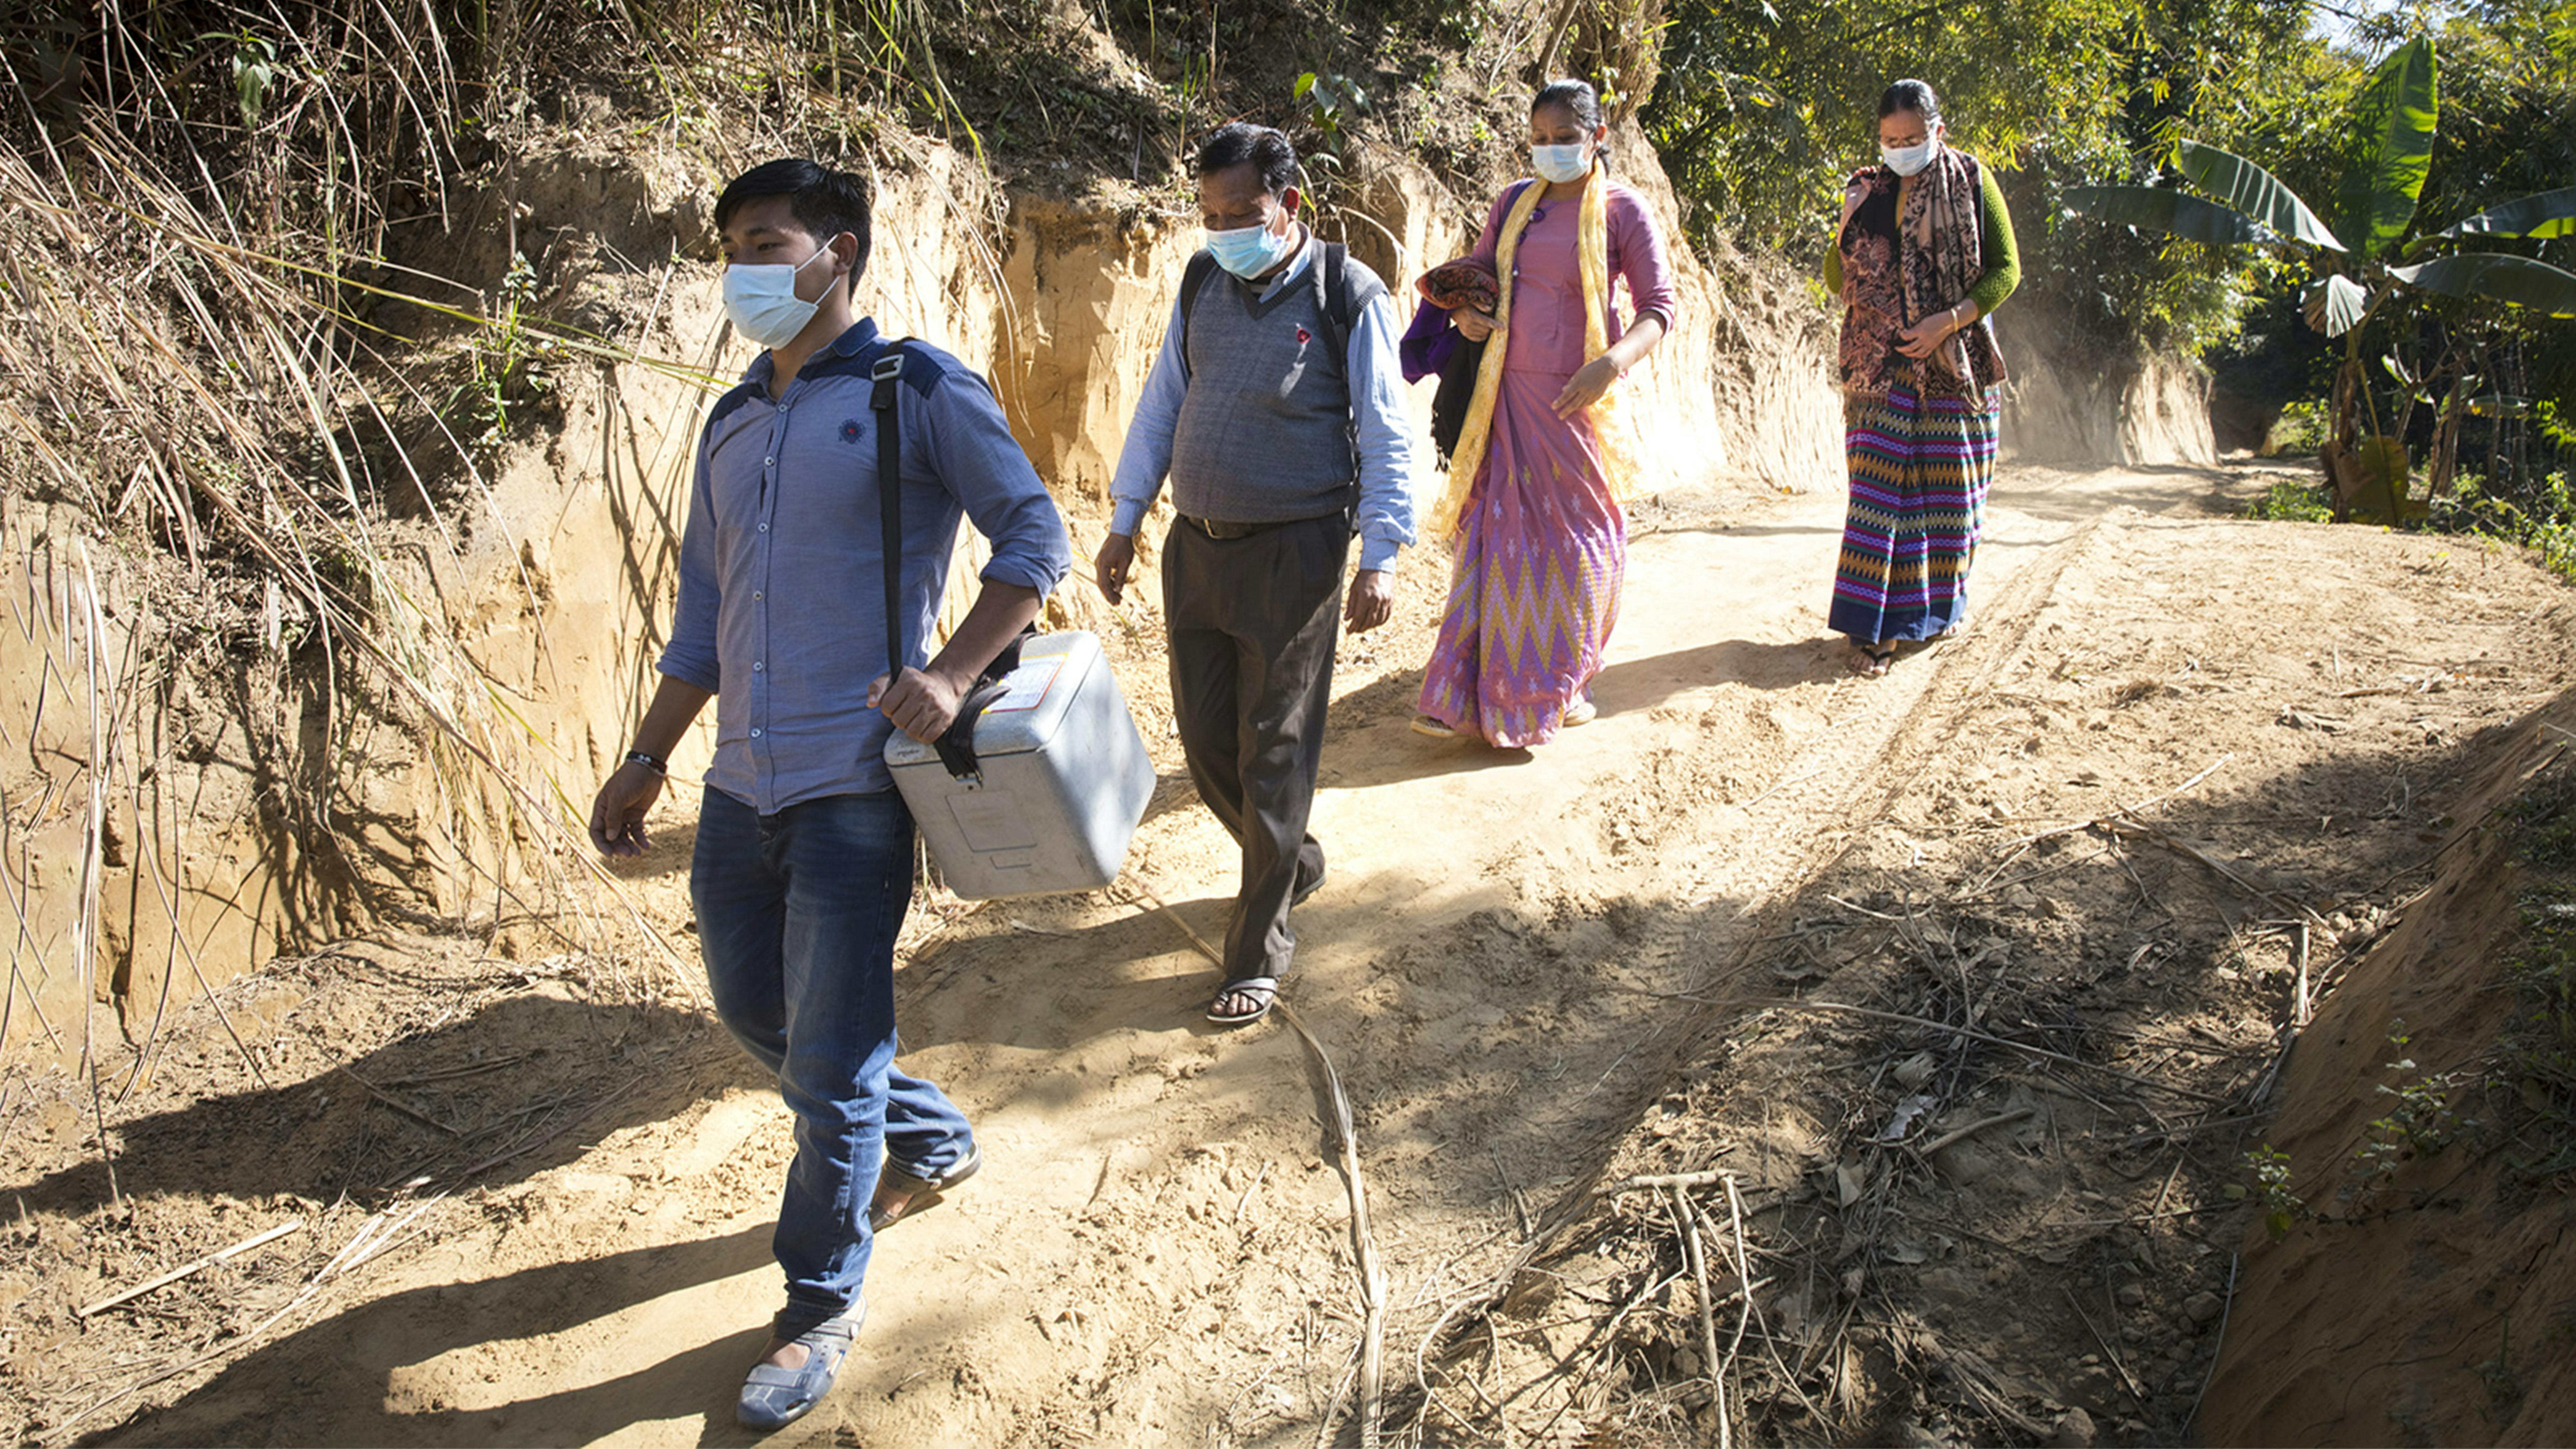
[(2249, 189), (2300, 430), (2383, 169), (1331, 99), (2391, 149), (2267, 1184), (507, 363), (2295, 502), (2420, 1122), (1766, 105), (2543, 519), (2536, 1062)]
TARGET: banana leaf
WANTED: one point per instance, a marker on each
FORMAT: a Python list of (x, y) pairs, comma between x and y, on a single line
[(2334, 304), (2540, 216), (2384, 172), (2254, 191), (2498, 277), (2161, 209)]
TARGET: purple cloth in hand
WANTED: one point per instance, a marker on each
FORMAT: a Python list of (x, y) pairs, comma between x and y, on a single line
[(1426, 345)]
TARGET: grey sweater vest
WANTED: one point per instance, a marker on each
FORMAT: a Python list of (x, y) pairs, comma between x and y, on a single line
[(1265, 429)]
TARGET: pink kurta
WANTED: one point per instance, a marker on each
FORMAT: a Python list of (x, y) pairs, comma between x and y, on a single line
[(1542, 544)]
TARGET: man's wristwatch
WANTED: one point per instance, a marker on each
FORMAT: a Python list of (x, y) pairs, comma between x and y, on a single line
[(650, 762)]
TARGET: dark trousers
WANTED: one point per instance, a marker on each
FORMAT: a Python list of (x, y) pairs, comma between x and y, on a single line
[(1253, 623)]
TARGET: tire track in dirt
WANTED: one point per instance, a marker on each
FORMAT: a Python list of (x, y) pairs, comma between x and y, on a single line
[(1823, 803), (1157, 1252)]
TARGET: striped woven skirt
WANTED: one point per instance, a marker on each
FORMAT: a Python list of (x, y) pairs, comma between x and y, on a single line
[(1919, 470)]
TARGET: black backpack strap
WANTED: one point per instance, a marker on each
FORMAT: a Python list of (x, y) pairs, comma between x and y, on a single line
[(1194, 280), (884, 373), (1340, 305)]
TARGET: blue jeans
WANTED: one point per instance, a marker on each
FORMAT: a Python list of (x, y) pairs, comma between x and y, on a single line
[(797, 917)]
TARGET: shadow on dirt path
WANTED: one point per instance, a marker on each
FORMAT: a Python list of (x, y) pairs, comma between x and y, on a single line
[(1528, 967)]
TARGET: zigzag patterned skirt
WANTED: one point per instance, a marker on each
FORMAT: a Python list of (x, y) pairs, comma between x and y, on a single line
[(1919, 470), (1541, 553)]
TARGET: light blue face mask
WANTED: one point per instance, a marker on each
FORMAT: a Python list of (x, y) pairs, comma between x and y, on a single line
[(1249, 251), (1907, 160), (1561, 164), (761, 299)]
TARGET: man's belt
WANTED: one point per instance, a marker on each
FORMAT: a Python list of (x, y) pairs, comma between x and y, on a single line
[(1218, 528)]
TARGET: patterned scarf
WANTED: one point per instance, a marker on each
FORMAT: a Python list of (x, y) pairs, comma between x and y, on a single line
[(1592, 256), (1909, 252)]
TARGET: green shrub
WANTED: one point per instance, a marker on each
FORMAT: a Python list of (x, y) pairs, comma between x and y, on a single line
[(2290, 499), (2543, 519), (2299, 431)]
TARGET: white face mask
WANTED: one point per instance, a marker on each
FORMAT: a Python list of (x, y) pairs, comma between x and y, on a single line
[(1562, 164), (1907, 160), (762, 301)]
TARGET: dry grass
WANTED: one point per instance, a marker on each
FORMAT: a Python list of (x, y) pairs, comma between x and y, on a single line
[(195, 204)]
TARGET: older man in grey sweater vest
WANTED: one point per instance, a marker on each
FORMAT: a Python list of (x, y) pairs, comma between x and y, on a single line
[(1276, 409)]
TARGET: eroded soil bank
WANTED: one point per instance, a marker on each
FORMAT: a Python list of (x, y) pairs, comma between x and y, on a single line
[(533, 1195)]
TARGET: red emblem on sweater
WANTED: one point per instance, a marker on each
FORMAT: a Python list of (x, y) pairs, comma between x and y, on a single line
[(1304, 336)]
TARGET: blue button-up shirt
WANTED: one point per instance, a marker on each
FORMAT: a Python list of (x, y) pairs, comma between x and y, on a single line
[(1380, 425), (782, 594)]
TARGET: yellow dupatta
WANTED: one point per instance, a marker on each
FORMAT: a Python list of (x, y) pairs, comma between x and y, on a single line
[(1592, 257)]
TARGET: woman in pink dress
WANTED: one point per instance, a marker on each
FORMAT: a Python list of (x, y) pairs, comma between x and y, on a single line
[(1533, 511)]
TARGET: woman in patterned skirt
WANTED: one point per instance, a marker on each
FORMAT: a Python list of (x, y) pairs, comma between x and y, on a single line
[(1533, 508), (1923, 255)]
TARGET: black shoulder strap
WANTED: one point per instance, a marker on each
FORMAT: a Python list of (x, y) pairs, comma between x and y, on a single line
[(884, 373), (1194, 279)]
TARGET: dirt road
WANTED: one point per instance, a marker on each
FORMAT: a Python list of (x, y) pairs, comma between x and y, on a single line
[(1157, 1250)]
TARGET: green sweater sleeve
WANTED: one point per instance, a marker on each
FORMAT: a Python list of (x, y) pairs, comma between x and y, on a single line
[(2002, 253)]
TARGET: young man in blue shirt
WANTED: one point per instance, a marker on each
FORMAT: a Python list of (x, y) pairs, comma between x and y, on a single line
[(803, 867)]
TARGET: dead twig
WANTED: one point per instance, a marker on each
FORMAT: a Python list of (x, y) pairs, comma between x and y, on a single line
[(1372, 1273), (1688, 1223), (399, 1105), (2185, 847), (2226, 1310), (174, 1275), (2137, 1390), (2299, 998), (1781, 1003), (1710, 1178), (1961, 1134)]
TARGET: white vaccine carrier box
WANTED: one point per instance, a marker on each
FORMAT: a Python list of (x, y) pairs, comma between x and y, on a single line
[(1060, 780)]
